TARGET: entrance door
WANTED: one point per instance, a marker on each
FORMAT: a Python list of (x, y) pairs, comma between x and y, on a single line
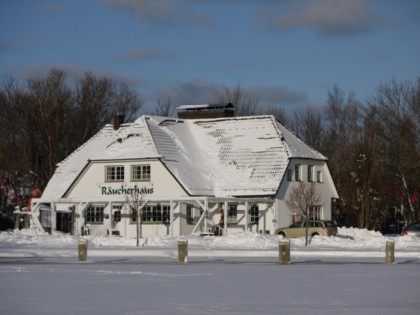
[(64, 222)]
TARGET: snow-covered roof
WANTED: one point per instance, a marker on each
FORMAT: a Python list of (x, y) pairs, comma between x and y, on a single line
[(236, 156)]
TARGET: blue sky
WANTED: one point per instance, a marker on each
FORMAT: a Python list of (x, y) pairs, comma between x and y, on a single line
[(286, 53)]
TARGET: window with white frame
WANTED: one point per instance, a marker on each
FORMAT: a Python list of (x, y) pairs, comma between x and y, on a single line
[(156, 214), (298, 172), (315, 213), (232, 215), (319, 177), (254, 214), (133, 215), (140, 172), (95, 214), (114, 173), (311, 177)]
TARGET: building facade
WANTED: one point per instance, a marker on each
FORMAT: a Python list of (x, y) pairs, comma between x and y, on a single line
[(162, 176)]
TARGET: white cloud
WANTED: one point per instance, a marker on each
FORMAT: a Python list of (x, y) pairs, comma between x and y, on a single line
[(326, 17)]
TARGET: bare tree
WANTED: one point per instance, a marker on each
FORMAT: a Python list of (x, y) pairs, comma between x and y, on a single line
[(300, 200), (396, 117), (135, 201), (98, 99), (245, 104), (277, 112), (50, 104), (308, 126), (164, 108)]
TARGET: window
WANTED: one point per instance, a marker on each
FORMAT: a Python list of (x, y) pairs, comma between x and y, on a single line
[(315, 213), (116, 213), (190, 214), (133, 216), (298, 173), (95, 214), (311, 178), (232, 214), (254, 214), (114, 173), (140, 172), (289, 175), (156, 214), (319, 176)]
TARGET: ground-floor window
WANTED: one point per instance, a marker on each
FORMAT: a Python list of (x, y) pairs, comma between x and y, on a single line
[(116, 213), (315, 213), (95, 214), (254, 214), (232, 215), (156, 213), (190, 214), (133, 215)]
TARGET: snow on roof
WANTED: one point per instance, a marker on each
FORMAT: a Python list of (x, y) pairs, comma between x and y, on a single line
[(298, 148), (107, 144), (236, 156), (192, 106)]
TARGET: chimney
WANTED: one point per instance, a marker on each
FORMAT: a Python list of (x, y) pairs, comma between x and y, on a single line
[(118, 121)]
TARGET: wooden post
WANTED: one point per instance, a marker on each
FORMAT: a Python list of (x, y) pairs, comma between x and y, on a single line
[(389, 249), (182, 251), (284, 252), (82, 249), (17, 221)]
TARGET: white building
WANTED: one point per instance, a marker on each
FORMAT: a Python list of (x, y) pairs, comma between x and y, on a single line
[(185, 176)]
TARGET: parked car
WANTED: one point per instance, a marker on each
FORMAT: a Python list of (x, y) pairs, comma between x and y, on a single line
[(315, 227), (412, 229)]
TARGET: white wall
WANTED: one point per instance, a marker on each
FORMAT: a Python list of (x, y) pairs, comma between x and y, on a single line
[(90, 183), (326, 189)]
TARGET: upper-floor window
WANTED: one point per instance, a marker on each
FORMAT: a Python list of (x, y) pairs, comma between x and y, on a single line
[(254, 214), (311, 174), (298, 172), (114, 173), (140, 172), (319, 177)]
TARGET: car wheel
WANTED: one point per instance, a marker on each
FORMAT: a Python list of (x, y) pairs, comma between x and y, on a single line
[(282, 234)]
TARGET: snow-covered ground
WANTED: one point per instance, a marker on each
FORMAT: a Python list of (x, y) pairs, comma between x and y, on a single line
[(238, 274)]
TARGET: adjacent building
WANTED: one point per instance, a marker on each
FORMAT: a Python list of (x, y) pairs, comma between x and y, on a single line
[(177, 176)]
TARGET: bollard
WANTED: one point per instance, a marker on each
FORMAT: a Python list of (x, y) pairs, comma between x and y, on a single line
[(389, 255), (82, 249), (182, 251), (284, 252)]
